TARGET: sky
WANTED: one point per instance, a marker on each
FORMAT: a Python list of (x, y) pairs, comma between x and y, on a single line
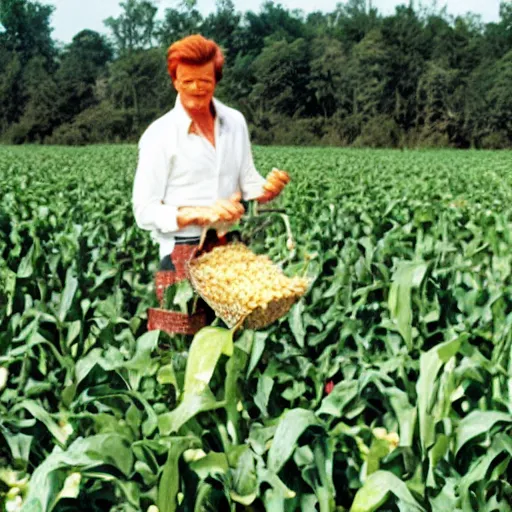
[(72, 16)]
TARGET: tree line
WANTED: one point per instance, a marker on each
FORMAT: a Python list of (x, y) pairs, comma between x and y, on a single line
[(350, 77)]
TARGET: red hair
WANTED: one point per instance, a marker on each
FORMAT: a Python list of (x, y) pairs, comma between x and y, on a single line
[(195, 50)]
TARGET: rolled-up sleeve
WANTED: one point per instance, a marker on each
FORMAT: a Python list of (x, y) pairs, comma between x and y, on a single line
[(149, 188), (251, 181)]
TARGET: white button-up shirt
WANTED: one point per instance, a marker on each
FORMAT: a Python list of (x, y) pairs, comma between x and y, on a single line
[(177, 168)]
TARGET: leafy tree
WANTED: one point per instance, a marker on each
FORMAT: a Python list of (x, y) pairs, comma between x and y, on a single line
[(26, 29), (11, 106), (223, 27), (141, 84), (406, 49), (40, 115), (328, 79), (83, 62), (368, 70), (282, 71), (133, 31), (327, 76), (272, 21), (435, 95), (25, 34), (500, 97), (353, 20), (179, 23), (319, 24), (237, 82), (135, 28)]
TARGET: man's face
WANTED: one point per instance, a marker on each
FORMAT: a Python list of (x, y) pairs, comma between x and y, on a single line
[(196, 85)]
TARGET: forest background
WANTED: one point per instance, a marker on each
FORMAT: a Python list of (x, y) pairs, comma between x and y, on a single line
[(350, 77)]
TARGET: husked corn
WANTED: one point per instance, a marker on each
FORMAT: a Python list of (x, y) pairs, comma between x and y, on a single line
[(240, 284)]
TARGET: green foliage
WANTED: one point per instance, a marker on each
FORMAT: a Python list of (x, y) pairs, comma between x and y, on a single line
[(39, 115), (282, 70), (408, 315), (135, 28), (83, 65), (26, 29), (95, 125), (498, 140), (379, 132), (431, 80)]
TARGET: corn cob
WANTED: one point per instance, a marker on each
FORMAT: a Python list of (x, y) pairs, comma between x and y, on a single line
[(239, 284)]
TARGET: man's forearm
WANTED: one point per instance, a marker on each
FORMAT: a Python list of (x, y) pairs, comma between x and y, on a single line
[(156, 216), (224, 210)]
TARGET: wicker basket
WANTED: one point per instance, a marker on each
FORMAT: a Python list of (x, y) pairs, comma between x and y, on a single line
[(230, 302)]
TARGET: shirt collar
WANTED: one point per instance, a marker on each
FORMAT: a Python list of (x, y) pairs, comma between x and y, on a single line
[(185, 120)]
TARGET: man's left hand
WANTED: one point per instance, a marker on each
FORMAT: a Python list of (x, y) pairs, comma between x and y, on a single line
[(276, 181)]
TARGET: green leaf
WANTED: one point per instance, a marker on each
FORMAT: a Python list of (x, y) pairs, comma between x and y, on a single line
[(74, 329), (375, 492), (405, 413), (9, 287), (335, 403), (26, 268), (184, 294), (257, 350), (324, 484), (430, 364), (83, 454), (19, 444), (67, 295), (280, 491), (105, 274), (291, 426), (447, 499), (82, 368), (141, 362), (167, 375), (60, 434), (408, 275), (245, 482), (379, 448), (481, 467), (234, 370), (203, 497), (296, 323), (207, 346), (435, 455), (265, 385), (260, 436), (131, 491), (210, 465), (191, 406), (477, 423), (169, 484)]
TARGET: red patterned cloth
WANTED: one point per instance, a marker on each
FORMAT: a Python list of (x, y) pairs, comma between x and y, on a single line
[(181, 255), (172, 321)]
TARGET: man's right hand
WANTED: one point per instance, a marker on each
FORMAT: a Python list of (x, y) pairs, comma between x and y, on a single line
[(224, 210)]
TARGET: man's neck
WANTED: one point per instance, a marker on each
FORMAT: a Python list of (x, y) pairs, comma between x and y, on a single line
[(203, 123), (201, 115)]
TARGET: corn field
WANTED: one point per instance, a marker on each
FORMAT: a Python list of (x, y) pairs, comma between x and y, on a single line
[(387, 387)]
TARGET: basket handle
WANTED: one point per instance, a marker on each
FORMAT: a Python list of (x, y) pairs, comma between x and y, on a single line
[(256, 211)]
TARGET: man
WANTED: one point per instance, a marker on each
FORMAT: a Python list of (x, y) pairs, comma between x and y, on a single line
[(195, 162)]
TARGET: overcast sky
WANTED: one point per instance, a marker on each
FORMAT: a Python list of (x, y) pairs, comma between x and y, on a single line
[(71, 16)]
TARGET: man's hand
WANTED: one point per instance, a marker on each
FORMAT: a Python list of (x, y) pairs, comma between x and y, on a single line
[(229, 210), (224, 210), (276, 181)]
